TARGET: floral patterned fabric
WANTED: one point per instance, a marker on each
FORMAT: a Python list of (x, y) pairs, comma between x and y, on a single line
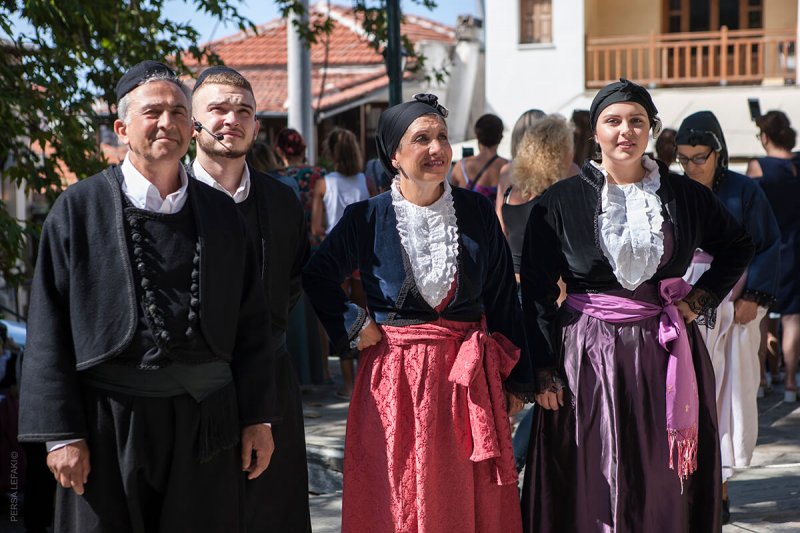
[(428, 436), (306, 177)]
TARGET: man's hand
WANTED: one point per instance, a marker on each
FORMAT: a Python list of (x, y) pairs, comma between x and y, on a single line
[(513, 404), (688, 315), (744, 311), (70, 465), (550, 400), (369, 336), (256, 438)]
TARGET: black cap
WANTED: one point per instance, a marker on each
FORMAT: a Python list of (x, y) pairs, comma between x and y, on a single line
[(218, 69), (138, 74)]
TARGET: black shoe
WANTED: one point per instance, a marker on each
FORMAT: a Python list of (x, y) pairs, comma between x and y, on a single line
[(726, 511)]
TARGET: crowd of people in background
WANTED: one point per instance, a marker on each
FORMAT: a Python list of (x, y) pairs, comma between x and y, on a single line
[(640, 310)]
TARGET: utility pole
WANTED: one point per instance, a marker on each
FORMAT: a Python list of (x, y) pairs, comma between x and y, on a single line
[(298, 65), (796, 54), (393, 52)]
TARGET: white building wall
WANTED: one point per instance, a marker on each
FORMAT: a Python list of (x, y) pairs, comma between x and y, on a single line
[(524, 76)]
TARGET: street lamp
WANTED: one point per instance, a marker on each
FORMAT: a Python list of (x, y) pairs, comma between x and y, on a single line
[(395, 83), (392, 52)]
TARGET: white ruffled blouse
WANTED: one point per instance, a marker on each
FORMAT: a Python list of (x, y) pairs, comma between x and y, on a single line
[(429, 235), (630, 226)]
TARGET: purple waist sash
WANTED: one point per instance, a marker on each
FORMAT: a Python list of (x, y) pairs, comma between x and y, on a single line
[(681, 388)]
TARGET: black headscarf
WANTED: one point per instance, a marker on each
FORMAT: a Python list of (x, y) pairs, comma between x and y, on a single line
[(702, 128), (624, 91), (395, 121)]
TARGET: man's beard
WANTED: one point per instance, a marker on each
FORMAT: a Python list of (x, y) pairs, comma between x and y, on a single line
[(213, 147)]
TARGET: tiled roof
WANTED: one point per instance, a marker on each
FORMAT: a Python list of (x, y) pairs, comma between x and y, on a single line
[(114, 154), (269, 86), (354, 67)]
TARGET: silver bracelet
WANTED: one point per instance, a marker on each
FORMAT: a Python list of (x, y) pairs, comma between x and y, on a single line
[(355, 342)]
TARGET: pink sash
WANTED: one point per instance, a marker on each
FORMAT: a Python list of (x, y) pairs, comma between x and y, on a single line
[(482, 363), (682, 399)]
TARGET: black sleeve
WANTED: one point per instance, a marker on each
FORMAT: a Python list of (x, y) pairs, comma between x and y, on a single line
[(763, 272), (542, 266), (253, 360), (51, 405), (501, 303), (324, 273), (726, 241)]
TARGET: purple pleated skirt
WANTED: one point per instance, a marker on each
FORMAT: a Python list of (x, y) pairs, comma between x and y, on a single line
[(601, 462)]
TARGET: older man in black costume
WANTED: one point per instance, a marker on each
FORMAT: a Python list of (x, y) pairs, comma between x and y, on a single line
[(148, 358), (226, 126)]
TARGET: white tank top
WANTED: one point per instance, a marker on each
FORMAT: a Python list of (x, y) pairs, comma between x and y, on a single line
[(341, 191)]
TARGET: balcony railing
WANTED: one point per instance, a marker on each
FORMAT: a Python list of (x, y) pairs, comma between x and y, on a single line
[(696, 58)]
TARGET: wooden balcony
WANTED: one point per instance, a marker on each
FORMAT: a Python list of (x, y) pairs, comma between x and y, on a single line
[(695, 58)]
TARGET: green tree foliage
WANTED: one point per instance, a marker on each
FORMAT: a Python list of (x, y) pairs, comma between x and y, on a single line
[(60, 58)]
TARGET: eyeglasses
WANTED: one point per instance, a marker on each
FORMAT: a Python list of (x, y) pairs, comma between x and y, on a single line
[(697, 160)]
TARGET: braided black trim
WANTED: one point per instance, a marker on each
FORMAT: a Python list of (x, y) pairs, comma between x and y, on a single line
[(342, 346), (763, 299)]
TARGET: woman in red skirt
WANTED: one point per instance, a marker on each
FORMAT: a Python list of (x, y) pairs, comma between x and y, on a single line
[(428, 445)]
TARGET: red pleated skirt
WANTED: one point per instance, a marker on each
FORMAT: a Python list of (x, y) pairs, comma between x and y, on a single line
[(424, 454)]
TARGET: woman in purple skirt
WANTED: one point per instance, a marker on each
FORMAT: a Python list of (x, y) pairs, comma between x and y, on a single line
[(627, 437)]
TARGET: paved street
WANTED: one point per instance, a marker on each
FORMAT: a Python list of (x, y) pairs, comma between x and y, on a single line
[(764, 498)]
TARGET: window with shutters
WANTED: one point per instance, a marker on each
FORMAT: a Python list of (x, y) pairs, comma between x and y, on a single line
[(536, 21)]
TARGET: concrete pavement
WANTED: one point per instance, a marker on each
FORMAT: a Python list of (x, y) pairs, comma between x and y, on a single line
[(765, 498)]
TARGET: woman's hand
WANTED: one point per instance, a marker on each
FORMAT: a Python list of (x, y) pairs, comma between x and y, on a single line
[(688, 315), (513, 404), (369, 336), (744, 311), (550, 400)]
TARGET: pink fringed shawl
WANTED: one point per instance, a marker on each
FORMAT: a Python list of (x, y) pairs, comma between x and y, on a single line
[(681, 387)]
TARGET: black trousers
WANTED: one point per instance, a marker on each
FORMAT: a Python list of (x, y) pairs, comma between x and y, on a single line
[(145, 477), (277, 501)]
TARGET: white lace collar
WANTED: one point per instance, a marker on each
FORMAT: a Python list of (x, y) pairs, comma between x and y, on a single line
[(630, 226), (429, 235)]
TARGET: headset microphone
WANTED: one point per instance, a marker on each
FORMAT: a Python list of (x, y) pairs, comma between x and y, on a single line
[(198, 127)]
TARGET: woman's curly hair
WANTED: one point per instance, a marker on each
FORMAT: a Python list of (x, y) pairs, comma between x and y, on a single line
[(542, 154)]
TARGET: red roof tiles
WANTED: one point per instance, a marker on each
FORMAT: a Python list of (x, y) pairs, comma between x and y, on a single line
[(354, 67)]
